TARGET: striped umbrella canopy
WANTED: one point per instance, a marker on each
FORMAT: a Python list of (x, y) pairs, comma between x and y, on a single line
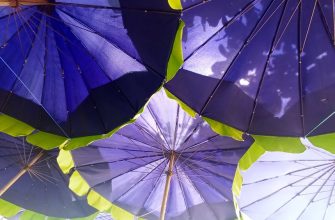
[(32, 186), (73, 70), (265, 67), (166, 165), (281, 185)]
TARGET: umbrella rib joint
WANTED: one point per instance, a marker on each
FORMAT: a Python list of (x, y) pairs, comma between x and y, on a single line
[(17, 3), (169, 174), (21, 173)]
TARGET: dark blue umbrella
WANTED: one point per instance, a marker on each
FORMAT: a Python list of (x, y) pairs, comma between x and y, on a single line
[(32, 184), (165, 165), (82, 68), (265, 67)]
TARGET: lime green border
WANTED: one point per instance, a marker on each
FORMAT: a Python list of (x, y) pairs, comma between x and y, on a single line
[(325, 141), (261, 145), (175, 4), (48, 141), (80, 187), (9, 210)]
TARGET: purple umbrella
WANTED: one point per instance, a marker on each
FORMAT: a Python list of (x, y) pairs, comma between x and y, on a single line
[(74, 70), (265, 67), (165, 165)]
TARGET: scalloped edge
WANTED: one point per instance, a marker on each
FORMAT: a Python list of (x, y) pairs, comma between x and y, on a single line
[(81, 188), (9, 210), (48, 141), (261, 145), (175, 4), (324, 141)]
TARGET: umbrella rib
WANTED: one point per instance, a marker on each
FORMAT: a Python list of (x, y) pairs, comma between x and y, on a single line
[(298, 194), (312, 199), (110, 179), (174, 147), (121, 160), (206, 181), (100, 67), (183, 192), (142, 178), (91, 97), (205, 169), (203, 199), (172, 12), (228, 23), (309, 26), (331, 193), (288, 185), (154, 186), (233, 60), (19, 29), (187, 139), (289, 173), (158, 126), (326, 25), (271, 50), (32, 94), (129, 55), (133, 139)]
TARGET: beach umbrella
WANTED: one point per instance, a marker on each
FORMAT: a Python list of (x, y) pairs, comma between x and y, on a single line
[(166, 165), (32, 186), (74, 70), (281, 185), (264, 67)]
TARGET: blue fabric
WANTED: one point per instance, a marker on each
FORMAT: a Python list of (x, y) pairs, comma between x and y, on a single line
[(245, 55), (129, 168), (43, 188), (80, 68)]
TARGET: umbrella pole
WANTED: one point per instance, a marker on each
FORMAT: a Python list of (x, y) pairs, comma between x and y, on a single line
[(167, 186), (16, 3), (21, 173)]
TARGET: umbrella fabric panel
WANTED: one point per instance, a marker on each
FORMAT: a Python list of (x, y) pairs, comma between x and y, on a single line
[(130, 168), (43, 188), (71, 48), (293, 186), (271, 73)]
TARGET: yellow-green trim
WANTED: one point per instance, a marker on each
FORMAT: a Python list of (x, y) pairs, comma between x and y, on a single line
[(224, 129), (325, 141), (175, 4), (185, 107), (9, 210), (261, 145), (176, 57), (81, 188)]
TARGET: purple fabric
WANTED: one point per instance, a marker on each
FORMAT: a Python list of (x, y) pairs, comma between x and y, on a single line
[(129, 169), (245, 55), (43, 188), (70, 69)]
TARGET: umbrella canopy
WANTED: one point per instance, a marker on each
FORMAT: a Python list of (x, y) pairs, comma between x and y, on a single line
[(265, 67), (33, 185), (282, 185), (82, 68), (166, 164)]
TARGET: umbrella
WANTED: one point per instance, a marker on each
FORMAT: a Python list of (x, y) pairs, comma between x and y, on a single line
[(33, 186), (265, 67), (281, 185), (73, 70), (166, 165)]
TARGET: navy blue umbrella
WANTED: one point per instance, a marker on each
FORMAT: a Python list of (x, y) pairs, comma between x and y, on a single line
[(265, 67), (82, 68), (32, 183)]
